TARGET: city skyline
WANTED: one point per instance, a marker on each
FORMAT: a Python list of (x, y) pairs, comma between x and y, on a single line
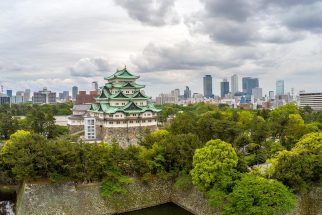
[(171, 44)]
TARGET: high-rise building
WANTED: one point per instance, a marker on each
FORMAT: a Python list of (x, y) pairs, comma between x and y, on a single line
[(234, 84), (207, 86), (271, 95), (17, 99), (27, 95), (280, 87), (74, 92), (257, 93), (249, 84), (224, 86), (94, 86), (66, 95), (165, 98), (9, 93), (4, 100), (20, 93), (176, 94), (44, 97), (187, 93)]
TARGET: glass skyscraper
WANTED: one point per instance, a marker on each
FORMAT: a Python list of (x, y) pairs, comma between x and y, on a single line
[(207, 86), (280, 87), (224, 86), (249, 84), (74, 92)]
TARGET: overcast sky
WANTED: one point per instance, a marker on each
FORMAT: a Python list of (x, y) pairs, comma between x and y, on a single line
[(169, 43)]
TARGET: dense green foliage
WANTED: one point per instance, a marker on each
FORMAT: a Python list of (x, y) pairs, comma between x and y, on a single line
[(213, 165), (59, 109), (301, 166), (38, 118), (210, 147), (255, 195)]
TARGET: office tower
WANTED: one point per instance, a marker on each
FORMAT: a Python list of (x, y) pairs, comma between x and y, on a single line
[(20, 93), (249, 84), (4, 100), (66, 95), (280, 87), (74, 92), (234, 84), (27, 95), (187, 93), (44, 97), (207, 86), (176, 94), (95, 86), (224, 86), (9, 93), (165, 98), (257, 93), (271, 95)]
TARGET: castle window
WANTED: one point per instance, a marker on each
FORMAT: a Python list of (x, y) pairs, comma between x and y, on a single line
[(149, 120), (118, 122), (111, 122), (131, 121), (117, 104)]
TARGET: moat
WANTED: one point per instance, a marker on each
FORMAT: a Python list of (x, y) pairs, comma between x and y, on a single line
[(164, 209)]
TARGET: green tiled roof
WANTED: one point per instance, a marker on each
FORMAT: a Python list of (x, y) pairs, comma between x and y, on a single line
[(105, 96), (124, 85), (131, 107), (122, 74), (139, 95)]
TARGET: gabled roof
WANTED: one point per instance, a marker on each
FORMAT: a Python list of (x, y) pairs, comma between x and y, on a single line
[(151, 107), (119, 95), (105, 94), (122, 74), (139, 95), (123, 85), (131, 107)]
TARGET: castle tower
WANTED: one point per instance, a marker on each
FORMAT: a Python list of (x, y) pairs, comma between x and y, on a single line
[(121, 112)]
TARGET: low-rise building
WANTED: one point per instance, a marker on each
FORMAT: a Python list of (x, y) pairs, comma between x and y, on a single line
[(313, 100)]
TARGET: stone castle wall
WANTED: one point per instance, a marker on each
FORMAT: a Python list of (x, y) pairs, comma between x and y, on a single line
[(72, 199), (124, 136)]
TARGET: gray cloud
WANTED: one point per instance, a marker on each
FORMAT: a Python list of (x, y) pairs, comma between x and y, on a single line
[(150, 12), (305, 17), (90, 67), (246, 22), (237, 10), (183, 56)]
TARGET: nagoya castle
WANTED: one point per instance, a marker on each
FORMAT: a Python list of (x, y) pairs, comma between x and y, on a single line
[(121, 112)]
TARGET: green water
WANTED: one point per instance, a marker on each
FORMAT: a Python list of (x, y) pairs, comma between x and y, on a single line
[(165, 209)]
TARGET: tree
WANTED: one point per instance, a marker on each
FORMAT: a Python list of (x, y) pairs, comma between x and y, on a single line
[(41, 122), (278, 120), (8, 125), (212, 164), (259, 129), (255, 195), (23, 156), (183, 123), (294, 130), (300, 167)]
